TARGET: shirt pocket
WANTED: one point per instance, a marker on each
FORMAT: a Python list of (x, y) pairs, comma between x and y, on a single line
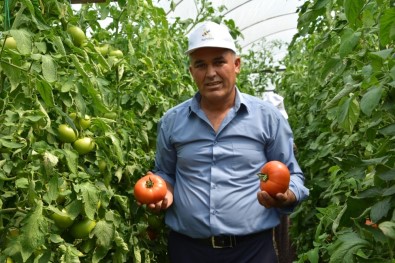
[(247, 156)]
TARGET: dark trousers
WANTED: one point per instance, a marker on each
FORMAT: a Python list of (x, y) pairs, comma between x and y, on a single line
[(258, 249)]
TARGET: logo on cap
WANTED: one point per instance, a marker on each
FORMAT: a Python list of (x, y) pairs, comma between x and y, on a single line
[(206, 35)]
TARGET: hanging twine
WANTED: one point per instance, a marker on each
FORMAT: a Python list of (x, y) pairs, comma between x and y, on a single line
[(7, 23)]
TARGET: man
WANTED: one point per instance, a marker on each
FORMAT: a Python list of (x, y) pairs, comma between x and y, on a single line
[(210, 149)]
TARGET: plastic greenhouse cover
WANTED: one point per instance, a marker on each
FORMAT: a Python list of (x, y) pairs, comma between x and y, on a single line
[(258, 20)]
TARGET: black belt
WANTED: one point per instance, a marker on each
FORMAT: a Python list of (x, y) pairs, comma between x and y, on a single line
[(227, 241)]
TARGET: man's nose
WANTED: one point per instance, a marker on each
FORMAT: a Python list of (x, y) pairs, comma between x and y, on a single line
[(211, 71)]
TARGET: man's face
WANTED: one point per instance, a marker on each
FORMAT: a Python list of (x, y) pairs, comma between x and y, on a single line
[(214, 71)]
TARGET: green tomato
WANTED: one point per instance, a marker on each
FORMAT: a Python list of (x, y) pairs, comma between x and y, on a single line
[(10, 43), (73, 116), (85, 122), (110, 115), (155, 222), (84, 145), (87, 245), (82, 229), (66, 134), (102, 164), (62, 219), (104, 49), (77, 35), (116, 53)]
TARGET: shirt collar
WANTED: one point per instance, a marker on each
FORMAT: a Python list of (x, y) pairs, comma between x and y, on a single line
[(240, 102)]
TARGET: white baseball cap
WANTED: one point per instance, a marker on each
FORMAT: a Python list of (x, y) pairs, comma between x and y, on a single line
[(210, 34)]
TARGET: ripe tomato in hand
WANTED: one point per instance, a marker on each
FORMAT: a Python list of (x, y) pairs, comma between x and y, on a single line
[(274, 177), (150, 189)]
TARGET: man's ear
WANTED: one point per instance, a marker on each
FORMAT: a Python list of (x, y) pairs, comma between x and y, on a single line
[(237, 65)]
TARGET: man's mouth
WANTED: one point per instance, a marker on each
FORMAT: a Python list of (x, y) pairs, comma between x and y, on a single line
[(214, 83)]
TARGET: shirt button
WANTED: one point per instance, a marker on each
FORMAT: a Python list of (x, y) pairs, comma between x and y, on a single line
[(215, 142)]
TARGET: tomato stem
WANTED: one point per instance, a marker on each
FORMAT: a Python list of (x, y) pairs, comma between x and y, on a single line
[(263, 177), (149, 183)]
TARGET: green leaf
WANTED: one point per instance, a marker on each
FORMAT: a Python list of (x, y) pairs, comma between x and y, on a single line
[(332, 66), (345, 247), (104, 232), (352, 10), (386, 175), (34, 230), (90, 198), (120, 242), (58, 44), (380, 209), (116, 145), (136, 250), (370, 100), (348, 42), (383, 54), (45, 90), (22, 183), (49, 68), (389, 191), (13, 74), (23, 40), (387, 26), (70, 254), (10, 144), (388, 130), (72, 160), (313, 255), (99, 254), (79, 67), (348, 114), (53, 188), (321, 4), (388, 228)]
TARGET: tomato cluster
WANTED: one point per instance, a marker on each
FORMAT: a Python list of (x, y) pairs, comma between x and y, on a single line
[(82, 145)]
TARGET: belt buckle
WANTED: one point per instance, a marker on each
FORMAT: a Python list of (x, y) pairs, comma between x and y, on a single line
[(223, 241)]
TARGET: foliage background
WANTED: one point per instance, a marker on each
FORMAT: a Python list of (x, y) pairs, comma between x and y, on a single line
[(340, 98)]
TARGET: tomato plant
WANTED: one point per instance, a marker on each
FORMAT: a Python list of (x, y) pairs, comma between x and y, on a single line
[(274, 178), (345, 136), (150, 189), (51, 79)]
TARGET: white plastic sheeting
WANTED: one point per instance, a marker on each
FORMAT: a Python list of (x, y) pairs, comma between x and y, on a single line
[(258, 20)]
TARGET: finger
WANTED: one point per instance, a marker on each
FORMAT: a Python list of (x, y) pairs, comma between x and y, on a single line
[(164, 203), (263, 199)]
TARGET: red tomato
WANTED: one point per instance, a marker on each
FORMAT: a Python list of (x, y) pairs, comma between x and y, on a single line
[(150, 189), (274, 177), (369, 222)]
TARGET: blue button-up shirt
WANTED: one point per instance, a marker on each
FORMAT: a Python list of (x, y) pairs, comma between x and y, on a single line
[(214, 174)]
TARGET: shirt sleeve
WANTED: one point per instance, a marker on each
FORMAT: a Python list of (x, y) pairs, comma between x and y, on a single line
[(280, 148), (166, 156)]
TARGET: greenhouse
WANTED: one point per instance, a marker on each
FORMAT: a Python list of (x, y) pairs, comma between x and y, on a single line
[(126, 137)]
